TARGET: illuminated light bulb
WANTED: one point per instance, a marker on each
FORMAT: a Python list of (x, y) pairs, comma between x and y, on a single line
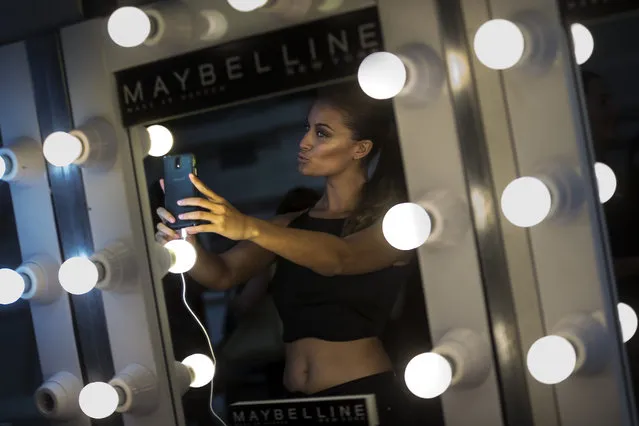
[(78, 275), (183, 256), (4, 166), (129, 26), (406, 226), (551, 359), (499, 44), (606, 181), (62, 149), (526, 201), (382, 75), (583, 42), (628, 321), (428, 375), (202, 368), (247, 5), (161, 140), (12, 286), (98, 400)]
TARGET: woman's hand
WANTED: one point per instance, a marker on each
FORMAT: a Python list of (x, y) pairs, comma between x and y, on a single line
[(222, 217), (165, 234)]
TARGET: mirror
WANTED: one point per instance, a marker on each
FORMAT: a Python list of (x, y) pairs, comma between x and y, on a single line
[(19, 362), (610, 96), (339, 342)]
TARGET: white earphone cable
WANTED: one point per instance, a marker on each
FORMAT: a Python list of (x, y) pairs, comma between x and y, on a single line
[(208, 341)]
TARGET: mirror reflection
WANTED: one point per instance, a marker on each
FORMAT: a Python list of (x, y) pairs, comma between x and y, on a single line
[(19, 361), (608, 70), (302, 295)]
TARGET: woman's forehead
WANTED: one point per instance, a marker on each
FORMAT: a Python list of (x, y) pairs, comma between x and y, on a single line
[(323, 113)]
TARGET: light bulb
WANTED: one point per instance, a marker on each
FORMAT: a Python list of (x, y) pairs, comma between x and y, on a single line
[(628, 321), (526, 201), (129, 26), (428, 375), (12, 286), (551, 359), (78, 275), (499, 44), (202, 367), (606, 181), (3, 166), (161, 140), (98, 400), (246, 5), (184, 256), (382, 75), (62, 149), (583, 42), (406, 226)]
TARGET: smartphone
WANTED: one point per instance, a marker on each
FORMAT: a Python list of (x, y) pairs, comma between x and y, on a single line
[(178, 186)]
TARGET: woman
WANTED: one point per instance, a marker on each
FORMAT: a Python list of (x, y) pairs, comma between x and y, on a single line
[(337, 278)]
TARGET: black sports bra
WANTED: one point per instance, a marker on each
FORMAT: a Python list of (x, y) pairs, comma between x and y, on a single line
[(339, 308)]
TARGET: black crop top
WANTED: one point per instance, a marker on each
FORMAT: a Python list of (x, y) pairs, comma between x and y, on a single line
[(338, 308)]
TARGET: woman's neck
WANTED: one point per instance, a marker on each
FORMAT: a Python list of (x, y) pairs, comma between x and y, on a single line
[(342, 192)]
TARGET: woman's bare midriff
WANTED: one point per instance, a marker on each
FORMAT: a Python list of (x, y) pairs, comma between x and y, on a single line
[(313, 365)]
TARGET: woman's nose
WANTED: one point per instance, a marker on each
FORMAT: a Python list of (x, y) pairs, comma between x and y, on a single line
[(306, 144)]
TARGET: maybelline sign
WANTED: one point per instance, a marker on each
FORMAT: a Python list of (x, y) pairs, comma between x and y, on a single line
[(576, 10), (338, 411), (292, 58)]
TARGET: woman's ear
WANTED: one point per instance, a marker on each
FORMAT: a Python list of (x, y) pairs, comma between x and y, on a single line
[(362, 149)]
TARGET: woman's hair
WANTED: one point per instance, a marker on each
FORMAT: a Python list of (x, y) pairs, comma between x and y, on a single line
[(374, 120), (298, 199)]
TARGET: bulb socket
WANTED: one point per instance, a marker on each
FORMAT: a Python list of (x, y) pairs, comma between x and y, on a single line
[(449, 217), (24, 163), (469, 356), (116, 267), (171, 24), (99, 145), (41, 285), (541, 41), (137, 389), (426, 74), (289, 10), (590, 339), (185, 376), (57, 398)]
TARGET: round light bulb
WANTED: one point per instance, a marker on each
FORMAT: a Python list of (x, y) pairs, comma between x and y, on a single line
[(98, 400), (382, 75), (3, 166), (11, 286), (499, 44), (202, 367), (551, 359), (129, 26), (78, 275), (526, 201), (606, 181), (428, 375), (406, 226), (583, 42), (161, 140), (628, 321), (184, 256), (246, 5), (62, 149)]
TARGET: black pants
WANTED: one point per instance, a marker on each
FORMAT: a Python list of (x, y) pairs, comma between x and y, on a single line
[(391, 401)]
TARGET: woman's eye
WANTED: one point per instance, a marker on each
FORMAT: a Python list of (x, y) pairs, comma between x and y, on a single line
[(321, 134)]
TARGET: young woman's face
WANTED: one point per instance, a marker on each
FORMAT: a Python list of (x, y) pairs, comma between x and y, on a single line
[(328, 147)]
